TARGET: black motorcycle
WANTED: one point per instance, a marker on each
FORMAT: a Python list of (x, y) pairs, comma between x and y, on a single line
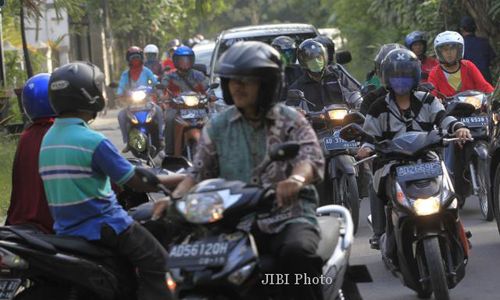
[(341, 176), (471, 161), (424, 244), (219, 260)]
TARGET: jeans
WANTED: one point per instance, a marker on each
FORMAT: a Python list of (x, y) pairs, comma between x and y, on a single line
[(294, 249), (146, 255), (125, 125)]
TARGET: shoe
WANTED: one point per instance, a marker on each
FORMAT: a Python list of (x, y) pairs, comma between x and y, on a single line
[(125, 149), (375, 241)]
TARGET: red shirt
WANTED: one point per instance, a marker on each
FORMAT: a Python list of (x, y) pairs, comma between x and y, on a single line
[(427, 65), (472, 79), (27, 201), (168, 63)]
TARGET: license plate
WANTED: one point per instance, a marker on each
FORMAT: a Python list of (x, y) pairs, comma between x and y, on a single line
[(193, 113), (202, 253), (8, 288), (334, 142), (419, 171), (475, 121)]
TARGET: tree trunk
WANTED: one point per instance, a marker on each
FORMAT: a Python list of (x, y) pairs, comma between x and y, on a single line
[(478, 10), (29, 69)]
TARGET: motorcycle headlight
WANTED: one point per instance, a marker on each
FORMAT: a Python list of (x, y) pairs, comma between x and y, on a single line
[(190, 100), (138, 96), (425, 207), (137, 140), (202, 208), (475, 101), (337, 114)]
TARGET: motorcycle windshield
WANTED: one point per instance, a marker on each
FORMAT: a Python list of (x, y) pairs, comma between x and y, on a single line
[(410, 143), (141, 116)]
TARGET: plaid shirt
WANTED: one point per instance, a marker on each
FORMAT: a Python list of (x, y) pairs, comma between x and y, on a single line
[(232, 149)]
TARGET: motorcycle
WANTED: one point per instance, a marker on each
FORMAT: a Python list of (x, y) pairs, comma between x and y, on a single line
[(474, 179), (424, 244), (143, 134), (219, 261), (339, 154)]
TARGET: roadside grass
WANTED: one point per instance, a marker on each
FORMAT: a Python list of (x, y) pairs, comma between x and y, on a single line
[(8, 146)]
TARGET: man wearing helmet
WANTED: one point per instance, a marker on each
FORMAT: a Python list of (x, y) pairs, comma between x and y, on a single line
[(451, 76), (233, 146), (152, 62), (76, 166), (29, 205), (321, 84), (136, 76), (416, 41), (288, 49), (183, 79), (402, 110)]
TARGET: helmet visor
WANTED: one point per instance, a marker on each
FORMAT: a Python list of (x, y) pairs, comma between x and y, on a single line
[(151, 56), (449, 53), (184, 62), (288, 56), (316, 64)]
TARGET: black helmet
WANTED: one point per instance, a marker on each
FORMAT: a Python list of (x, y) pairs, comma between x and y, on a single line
[(328, 44), (76, 87), (134, 52), (252, 59), (312, 56), (401, 71), (287, 48), (416, 36), (382, 52)]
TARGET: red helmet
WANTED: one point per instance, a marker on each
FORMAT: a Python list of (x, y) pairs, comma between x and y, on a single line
[(134, 52)]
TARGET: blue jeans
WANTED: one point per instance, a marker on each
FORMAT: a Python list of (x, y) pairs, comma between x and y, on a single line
[(125, 125)]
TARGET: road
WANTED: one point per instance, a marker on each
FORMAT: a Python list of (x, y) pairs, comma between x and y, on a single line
[(483, 270)]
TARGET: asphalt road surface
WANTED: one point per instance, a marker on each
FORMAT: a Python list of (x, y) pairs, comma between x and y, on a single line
[(482, 279)]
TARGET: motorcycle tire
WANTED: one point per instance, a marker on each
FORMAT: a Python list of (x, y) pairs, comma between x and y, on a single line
[(496, 197), (435, 267), (484, 195), (345, 192)]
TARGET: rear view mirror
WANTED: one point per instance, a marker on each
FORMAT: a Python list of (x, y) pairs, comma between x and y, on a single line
[(353, 118), (343, 57), (354, 132), (460, 109), (175, 163), (294, 94), (214, 85), (284, 151)]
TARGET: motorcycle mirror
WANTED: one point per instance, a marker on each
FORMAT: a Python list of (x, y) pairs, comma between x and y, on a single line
[(113, 85), (201, 67), (343, 57), (175, 163), (460, 109), (147, 176), (354, 132), (214, 85), (426, 87), (353, 118), (284, 151)]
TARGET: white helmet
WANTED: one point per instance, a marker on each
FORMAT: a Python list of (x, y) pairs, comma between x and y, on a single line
[(151, 49), (449, 38)]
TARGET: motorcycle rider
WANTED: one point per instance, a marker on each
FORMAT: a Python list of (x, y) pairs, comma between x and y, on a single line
[(416, 41), (233, 146), (76, 165), (28, 205), (402, 110), (453, 75), (152, 62), (287, 47), (137, 75), (323, 85), (168, 63), (183, 79)]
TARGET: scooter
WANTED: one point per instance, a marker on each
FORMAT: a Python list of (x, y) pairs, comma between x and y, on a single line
[(219, 261), (424, 244)]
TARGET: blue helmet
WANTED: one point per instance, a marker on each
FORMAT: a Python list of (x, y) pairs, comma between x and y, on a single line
[(416, 36), (35, 97), (183, 58)]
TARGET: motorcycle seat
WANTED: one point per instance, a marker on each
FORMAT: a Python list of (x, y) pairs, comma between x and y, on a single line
[(76, 245), (330, 233)]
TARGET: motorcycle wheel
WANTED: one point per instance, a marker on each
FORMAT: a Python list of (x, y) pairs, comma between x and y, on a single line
[(346, 193), (436, 269), (496, 197), (484, 194)]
